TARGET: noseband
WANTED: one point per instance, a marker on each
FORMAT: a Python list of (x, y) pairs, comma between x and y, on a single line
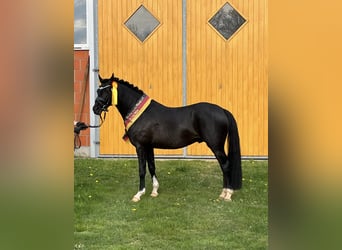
[(104, 109), (105, 104)]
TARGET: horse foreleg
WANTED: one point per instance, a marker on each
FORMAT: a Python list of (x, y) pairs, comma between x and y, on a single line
[(152, 169), (136, 197), (141, 152), (155, 185)]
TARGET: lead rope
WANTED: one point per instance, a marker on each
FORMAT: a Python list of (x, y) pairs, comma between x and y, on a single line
[(102, 120), (78, 126)]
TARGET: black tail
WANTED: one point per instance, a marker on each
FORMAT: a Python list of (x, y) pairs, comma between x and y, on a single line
[(234, 153)]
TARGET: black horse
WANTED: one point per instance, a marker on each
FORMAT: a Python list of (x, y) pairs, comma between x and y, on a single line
[(151, 125)]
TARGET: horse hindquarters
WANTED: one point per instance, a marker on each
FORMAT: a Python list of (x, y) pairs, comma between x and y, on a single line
[(234, 153), (231, 164)]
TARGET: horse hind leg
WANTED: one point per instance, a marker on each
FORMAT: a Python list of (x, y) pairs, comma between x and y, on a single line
[(222, 158), (226, 194)]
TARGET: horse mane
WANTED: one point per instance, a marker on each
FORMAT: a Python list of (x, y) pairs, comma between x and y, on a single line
[(129, 85)]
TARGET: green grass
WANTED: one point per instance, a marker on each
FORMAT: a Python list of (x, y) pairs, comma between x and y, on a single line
[(185, 215)]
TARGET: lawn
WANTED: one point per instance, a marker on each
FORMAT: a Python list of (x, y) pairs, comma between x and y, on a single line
[(185, 215)]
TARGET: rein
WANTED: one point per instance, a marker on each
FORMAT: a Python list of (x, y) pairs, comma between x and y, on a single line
[(81, 126), (102, 121)]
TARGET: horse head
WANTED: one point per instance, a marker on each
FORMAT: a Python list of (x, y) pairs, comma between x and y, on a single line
[(104, 95)]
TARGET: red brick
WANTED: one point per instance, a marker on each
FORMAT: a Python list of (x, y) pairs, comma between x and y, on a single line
[(77, 87), (77, 65), (77, 107), (84, 64), (80, 65), (79, 75), (77, 97), (84, 138), (81, 54), (81, 117), (84, 53)]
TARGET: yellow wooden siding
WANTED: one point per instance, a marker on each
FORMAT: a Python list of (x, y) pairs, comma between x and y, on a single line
[(233, 73), (155, 65)]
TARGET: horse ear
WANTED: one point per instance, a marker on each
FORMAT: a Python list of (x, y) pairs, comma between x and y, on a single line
[(112, 77), (100, 78)]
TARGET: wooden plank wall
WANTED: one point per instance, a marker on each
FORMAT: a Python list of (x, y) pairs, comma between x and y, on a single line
[(155, 66), (233, 73)]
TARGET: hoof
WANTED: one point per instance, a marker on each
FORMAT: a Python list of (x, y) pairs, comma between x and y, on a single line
[(154, 194), (226, 194), (227, 199), (222, 195), (136, 199)]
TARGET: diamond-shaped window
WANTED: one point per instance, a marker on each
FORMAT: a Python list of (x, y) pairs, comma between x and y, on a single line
[(142, 23), (227, 21)]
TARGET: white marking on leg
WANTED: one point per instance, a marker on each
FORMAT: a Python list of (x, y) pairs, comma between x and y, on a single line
[(136, 197), (155, 185), (229, 194), (226, 194)]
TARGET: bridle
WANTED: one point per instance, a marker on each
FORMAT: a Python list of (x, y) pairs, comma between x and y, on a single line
[(105, 104)]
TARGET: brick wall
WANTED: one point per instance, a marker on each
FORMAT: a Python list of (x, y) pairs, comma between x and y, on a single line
[(81, 87)]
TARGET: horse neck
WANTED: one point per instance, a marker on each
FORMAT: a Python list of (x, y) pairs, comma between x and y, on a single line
[(127, 99)]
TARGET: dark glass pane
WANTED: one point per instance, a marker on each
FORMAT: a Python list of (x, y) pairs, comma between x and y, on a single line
[(227, 21), (142, 23)]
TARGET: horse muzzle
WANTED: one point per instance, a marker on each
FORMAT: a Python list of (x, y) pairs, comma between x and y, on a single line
[(97, 109), (100, 105)]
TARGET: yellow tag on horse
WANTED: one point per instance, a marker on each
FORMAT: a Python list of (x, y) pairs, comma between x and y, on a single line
[(114, 94)]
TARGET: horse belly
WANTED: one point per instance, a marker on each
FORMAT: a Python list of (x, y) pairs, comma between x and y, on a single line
[(174, 138), (173, 128)]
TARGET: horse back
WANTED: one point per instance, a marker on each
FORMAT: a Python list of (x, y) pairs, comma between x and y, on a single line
[(168, 127)]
